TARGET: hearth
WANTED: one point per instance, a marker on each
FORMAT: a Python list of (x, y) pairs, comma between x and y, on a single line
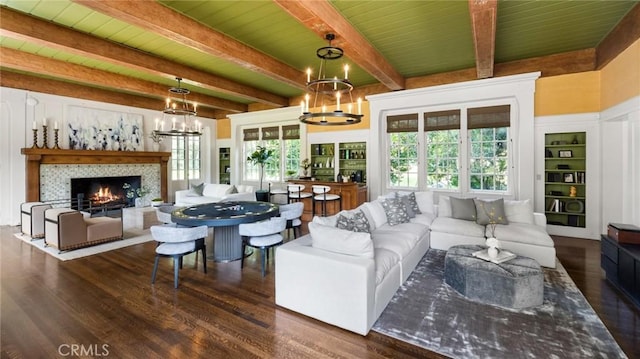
[(100, 192)]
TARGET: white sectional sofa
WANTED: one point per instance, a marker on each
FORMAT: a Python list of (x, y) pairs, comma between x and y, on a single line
[(214, 192), (347, 278), (322, 276)]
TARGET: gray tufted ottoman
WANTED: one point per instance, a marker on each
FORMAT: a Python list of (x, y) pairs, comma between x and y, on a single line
[(517, 283)]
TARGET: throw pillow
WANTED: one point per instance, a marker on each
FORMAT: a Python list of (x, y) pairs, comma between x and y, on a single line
[(395, 210), (360, 222), (490, 211), (444, 206), (463, 208), (425, 201), (410, 201), (231, 190), (344, 222), (341, 241), (197, 189), (356, 222)]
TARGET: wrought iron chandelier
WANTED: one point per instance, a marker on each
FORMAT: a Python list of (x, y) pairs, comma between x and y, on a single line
[(327, 89), (178, 115)]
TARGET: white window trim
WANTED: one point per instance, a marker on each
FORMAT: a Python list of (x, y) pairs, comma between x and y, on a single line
[(268, 118), (517, 91)]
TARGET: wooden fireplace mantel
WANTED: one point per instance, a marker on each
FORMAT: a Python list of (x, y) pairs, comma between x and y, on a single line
[(37, 156)]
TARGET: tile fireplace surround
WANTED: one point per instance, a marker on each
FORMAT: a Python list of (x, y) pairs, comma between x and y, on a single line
[(49, 171)]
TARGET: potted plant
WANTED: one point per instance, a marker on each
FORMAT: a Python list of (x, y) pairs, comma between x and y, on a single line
[(305, 164), (260, 157), (156, 202)]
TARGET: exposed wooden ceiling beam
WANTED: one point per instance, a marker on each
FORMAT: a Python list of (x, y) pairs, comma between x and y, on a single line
[(322, 18), (61, 88), (24, 61), (622, 36), (483, 22), (21, 26), (159, 19)]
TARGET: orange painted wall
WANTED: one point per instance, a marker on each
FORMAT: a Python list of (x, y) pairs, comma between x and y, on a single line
[(621, 77), (223, 128), (565, 94)]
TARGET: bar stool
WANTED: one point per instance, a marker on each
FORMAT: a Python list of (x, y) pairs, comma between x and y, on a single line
[(321, 193), (296, 194)]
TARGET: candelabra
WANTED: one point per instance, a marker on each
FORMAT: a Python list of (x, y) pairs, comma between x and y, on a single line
[(55, 139), (44, 137), (35, 138)]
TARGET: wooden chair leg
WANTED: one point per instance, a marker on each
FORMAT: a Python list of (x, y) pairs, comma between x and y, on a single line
[(155, 269)]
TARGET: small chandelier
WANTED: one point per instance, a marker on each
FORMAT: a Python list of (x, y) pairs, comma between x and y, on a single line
[(325, 89), (178, 114)]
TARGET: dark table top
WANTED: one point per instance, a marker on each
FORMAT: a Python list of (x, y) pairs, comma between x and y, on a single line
[(224, 213)]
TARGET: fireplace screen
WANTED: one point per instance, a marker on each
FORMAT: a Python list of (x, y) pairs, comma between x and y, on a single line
[(105, 191)]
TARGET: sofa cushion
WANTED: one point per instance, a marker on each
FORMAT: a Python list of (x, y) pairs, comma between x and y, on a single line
[(331, 221), (217, 190), (397, 242), (410, 229), (196, 190), (192, 200), (242, 188), (377, 212), (457, 226), (424, 219), (444, 206), (341, 241), (523, 233), (385, 260), (463, 208), (490, 211), (519, 211), (425, 201), (395, 211)]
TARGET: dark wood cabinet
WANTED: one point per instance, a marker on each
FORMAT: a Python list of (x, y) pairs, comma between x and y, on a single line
[(621, 263)]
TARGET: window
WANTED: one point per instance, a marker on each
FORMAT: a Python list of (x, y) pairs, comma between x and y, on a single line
[(403, 150), (442, 135), (291, 139), (284, 141), (185, 157), (481, 164), (488, 157)]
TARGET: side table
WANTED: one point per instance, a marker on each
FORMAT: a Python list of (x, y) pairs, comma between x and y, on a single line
[(139, 217)]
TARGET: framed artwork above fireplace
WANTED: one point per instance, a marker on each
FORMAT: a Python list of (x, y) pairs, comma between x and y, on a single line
[(93, 129)]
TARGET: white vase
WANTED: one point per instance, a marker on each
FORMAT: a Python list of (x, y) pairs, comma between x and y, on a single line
[(156, 146), (493, 252)]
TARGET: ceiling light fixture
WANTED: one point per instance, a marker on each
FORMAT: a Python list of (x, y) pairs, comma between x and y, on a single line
[(178, 113), (325, 89)]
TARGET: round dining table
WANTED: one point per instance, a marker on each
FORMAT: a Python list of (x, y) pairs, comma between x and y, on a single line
[(225, 218)]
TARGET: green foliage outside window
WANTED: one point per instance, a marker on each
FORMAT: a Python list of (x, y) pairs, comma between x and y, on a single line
[(403, 159), (488, 161)]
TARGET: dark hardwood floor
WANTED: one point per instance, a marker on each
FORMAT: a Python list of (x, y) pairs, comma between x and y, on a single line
[(104, 305)]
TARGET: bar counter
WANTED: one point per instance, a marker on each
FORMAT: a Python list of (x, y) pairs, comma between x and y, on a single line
[(352, 194)]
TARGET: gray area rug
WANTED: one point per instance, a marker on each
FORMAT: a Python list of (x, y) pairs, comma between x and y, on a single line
[(429, 313)]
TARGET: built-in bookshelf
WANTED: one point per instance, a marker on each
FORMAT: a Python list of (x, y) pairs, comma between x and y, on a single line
[(565, 179), (352, 157), (323, 161), (224, 159)]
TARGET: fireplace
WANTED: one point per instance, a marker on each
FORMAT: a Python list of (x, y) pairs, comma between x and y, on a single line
[(96, 192)]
